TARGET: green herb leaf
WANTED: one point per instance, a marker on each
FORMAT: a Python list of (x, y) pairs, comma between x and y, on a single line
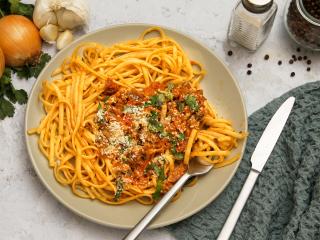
[(119, 189), (180, 106), (6, 77), (175, 153), (22, 72), (29, 71), (181, 136), (154, 125), (4, 7), (192, 102), (168, 95), (6, 108), (156, 195), (150, 167), (12, 95), (164, 134), (16, 7), (147, 103), (161, 177), (21, 96), (157, 100), (43, 60), (178, 155)]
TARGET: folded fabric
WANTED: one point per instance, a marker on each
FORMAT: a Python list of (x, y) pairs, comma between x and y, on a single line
[(285, 202)]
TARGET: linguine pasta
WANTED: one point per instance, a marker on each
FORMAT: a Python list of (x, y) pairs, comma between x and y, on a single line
[(123, 122)]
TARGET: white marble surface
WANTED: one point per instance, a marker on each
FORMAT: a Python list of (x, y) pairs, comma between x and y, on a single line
[(28, 211)]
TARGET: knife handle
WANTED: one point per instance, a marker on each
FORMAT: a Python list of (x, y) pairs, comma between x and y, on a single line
[(238, 206)]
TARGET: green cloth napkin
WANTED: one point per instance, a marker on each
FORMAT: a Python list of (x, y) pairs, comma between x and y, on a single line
[(285, 202)]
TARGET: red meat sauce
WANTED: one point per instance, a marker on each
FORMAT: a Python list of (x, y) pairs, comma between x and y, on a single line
[(132, 136)]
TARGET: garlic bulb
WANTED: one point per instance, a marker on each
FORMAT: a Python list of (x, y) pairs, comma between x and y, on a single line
[(64, 39), (67, 14), (49, 33), (43, 13)]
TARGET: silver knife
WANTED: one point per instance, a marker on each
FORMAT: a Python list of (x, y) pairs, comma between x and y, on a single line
[(259, 158)]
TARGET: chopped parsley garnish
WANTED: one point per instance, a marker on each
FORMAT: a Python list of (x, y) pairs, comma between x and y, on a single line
[(192, 102), (168, 95), (164, 134), (160, 98), (161, 177), (157, 100), (181, 136), (178, 155), (154, 125), (99, 106), (180, 106), (119, 189), (156, 194), (175, 153)]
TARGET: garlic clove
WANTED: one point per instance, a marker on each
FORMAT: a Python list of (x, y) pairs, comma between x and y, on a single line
[(49, 33), (68, 19), (44, 14), (64, 39)]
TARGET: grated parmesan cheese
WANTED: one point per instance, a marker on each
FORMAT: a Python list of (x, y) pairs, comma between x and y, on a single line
[(100, 115)]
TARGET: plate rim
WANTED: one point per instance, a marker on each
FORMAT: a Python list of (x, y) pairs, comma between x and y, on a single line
[(152, 225)]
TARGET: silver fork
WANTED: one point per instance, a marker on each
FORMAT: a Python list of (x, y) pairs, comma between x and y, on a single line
[(196, 168)]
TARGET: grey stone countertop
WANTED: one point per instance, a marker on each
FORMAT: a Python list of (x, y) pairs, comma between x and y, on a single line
[(29, 211)]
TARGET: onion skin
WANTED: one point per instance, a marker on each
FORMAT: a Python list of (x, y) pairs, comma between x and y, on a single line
[(20, 40), (2, 63)]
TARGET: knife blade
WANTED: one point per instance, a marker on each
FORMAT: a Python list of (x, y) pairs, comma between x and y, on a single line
[(259, 158)]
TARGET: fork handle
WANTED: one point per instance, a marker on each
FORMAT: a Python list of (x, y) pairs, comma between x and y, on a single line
[(144, 222), (238, 206)]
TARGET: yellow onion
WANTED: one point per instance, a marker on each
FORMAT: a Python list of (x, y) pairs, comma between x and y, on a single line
[(20, 40), (1, 63)]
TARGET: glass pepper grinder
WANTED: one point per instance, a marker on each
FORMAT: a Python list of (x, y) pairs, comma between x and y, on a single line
[(251, 22)]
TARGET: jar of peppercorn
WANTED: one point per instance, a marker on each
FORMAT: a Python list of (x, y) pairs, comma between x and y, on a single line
[(302, 21)]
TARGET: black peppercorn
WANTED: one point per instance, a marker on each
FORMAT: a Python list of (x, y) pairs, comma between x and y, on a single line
[(308, 69), (230, 53), (291, 61), (309, 62), (305, 58), (292, 74), (301, 29), (279, 62), (299, 58), (266, 57), (249, 72), (249, 65), (312, 7)]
